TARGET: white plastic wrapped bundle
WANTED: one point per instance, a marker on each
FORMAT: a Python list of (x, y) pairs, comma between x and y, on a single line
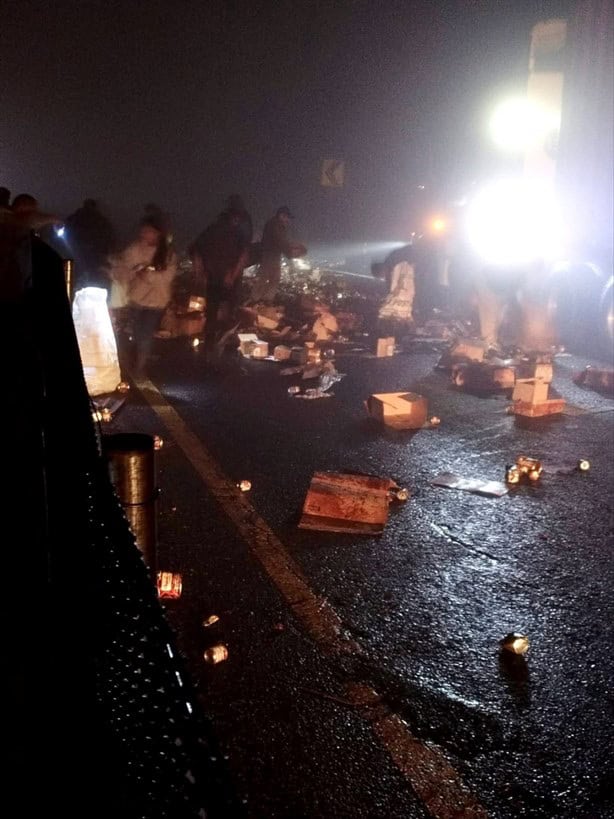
[(96, 339)]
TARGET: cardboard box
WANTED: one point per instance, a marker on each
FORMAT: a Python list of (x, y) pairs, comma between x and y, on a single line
[(281, 353), (468, 348), (346, 503), (530, 391), (385, 347), (247, 342), (553, 406), (260, 349), (266, 323), (400, 410), (540, 371)]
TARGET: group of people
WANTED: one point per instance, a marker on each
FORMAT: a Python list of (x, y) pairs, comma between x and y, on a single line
[(140, 276)]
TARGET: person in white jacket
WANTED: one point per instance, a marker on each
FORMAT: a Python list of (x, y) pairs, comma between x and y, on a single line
[(141, 280)]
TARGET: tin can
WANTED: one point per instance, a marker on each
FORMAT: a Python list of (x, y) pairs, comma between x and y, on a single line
[(530, 467), (216, 654), (584, 465), (169, 585), (512, 474), (515, 643)]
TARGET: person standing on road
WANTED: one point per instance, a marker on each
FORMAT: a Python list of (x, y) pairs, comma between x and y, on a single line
[(219, 255), (141, 282), (91, 237), (275, 244)]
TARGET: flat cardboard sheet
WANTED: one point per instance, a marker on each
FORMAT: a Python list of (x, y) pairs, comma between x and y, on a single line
[(492, 489)]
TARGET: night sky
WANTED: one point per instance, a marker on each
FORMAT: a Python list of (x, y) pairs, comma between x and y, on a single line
[(185, 102)]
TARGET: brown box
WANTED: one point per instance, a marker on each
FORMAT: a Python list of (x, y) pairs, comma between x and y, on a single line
[(247, 342), (540, 371), (385, 347), (346, 503), (468, 348), (530, 391), (553, 406), (400, 410), (260, 349), (281, 353)]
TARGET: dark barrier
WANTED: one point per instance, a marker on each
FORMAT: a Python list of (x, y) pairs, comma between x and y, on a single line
[(132, 467)]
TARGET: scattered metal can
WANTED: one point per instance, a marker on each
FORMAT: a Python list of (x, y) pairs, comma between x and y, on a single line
[(401, 494), (158, 442), (123, 386), (106, 415), (195, 343), (515, 643), (584, 465), (245, 486), (328, 354), (96, 416), (434, 421), (211, 620), (216, 654), (169, 585), (512, 474), (294, 390), (530, 467)]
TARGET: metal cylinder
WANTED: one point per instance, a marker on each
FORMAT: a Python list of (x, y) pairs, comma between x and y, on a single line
[(132, 467), (68, 276)]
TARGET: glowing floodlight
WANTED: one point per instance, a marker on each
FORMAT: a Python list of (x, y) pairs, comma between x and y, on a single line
[(513, 222), (520, 124)]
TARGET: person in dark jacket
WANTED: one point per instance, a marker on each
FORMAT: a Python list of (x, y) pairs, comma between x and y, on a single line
[(275, 244), (91, 239), (219, 256)]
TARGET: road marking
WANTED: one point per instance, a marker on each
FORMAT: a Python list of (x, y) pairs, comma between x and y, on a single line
[(429, 773)]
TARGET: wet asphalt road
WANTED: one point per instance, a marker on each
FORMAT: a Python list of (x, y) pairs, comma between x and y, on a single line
[(427, 601)]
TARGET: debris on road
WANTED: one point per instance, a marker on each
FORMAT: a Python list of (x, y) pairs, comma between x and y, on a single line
[(400, 410), (385, 347), (600, 380), (584, 465), (485, 376), (338, 502), (493, 489), (211, 620), (245, 486), (216, 654), (158, 442), (515, 643), (169, 585), (524, 467)]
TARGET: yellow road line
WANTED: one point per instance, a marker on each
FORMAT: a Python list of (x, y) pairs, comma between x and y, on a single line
[(431, 776)]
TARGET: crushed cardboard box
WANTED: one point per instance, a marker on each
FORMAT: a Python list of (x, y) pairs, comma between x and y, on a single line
[(357, 504), (400, 410)]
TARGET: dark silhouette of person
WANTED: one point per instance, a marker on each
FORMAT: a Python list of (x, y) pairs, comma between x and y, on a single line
[(275, 244), (91, 239), (219, 254)]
